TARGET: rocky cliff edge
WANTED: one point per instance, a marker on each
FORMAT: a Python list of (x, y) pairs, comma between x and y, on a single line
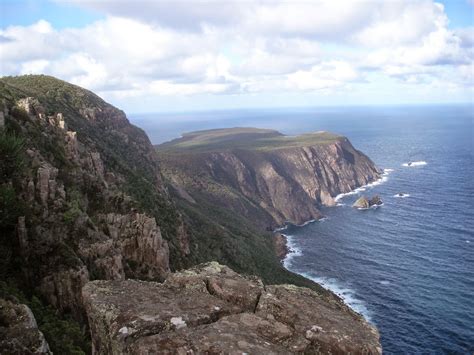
[(264, 175), (211, 309)]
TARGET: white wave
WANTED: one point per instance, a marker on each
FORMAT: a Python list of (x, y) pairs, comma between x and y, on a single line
[(347, 294), (402, 195), (293, 251), (305, 223), (281, 229), (415, 163), (385, 282), (373, 207), (381, 180)]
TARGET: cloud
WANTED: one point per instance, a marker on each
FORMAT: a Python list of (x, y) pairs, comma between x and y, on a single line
[(191, 47)]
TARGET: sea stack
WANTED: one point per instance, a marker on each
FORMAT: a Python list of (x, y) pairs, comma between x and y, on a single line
[(363, 202)]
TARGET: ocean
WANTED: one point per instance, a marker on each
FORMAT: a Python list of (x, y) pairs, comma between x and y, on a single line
[(407, 266)]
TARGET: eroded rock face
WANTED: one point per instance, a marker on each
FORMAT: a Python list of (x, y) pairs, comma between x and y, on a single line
[(288, 184), (281, 245), (212, 309), (139, 240), (82, 171), (19, 333)]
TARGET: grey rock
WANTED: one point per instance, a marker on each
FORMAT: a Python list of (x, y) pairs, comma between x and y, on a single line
[(212, 309), (362, 202), (19, 333)]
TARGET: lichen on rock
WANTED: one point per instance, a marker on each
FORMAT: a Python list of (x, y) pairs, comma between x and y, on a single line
[(210, 308)]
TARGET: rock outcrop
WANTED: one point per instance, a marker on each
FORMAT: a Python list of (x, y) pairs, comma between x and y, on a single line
[(211, 309), (364, 203), (93, 196), (361, 203), (19, 333), (281, 245), (285, 181)]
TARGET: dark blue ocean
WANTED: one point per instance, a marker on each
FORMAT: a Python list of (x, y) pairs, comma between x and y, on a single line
[(407, 266)]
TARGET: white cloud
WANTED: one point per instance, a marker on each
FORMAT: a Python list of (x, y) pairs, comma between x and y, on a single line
[(327, 75), (236, 47)]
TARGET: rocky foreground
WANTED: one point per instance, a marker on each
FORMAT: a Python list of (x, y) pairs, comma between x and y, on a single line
[(211, 309)]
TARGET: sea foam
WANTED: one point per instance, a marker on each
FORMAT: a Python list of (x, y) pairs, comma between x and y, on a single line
[(415, 163), (293, 251), (402, 196), (347, 294), (383, 178)]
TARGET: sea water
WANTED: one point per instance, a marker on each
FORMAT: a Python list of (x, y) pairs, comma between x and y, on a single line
[(407, 266)]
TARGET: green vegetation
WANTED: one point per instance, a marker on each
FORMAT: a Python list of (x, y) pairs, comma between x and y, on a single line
[(75, 208), (231, 239), (11, 154), (63, 334), (243, 138), (10, 207), (12, 157)]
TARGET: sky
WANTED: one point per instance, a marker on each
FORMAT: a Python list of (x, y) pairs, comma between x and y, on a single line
[(175, 55)]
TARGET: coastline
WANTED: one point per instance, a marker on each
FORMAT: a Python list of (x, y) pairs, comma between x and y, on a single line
[(287, 250), (383, 178)]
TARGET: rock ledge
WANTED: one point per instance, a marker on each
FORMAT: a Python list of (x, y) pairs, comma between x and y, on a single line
[(211, 309)]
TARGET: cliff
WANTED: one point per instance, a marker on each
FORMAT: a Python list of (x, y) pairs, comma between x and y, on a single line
[(263, 175), (211, 309), (82, 198), (81, 195)]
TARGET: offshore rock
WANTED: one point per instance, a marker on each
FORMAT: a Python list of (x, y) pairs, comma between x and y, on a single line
[(212, 309), (19, 333), (362, 202), (376, 201)]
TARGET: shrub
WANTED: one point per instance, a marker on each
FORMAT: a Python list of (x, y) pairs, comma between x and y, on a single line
[(11, 154), (10, 207), (63, 334)]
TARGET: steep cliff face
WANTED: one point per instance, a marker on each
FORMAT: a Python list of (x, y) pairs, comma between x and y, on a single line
[(19, 333), (93, 204), (82, 198), (285, 177), (211, 309)]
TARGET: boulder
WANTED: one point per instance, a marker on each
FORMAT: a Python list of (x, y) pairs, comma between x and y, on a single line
[(375, 201), (213, 310), (362, 202), (19, 333)]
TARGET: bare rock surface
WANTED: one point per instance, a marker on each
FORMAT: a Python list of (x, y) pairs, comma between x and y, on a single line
[(19, 333), (281, 245), (211, 309)]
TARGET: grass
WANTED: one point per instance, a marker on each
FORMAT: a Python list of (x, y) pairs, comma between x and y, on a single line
[(243, 138)]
